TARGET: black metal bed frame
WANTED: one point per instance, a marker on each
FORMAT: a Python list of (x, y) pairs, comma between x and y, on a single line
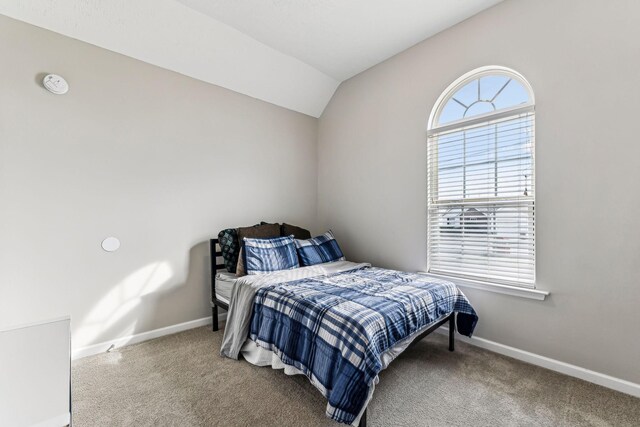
[(215, 303)]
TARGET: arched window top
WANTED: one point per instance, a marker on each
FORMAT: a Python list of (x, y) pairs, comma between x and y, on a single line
[(480, 179), (479, 93)]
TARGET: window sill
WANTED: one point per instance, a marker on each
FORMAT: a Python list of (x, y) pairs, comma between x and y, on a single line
[(515, 291)]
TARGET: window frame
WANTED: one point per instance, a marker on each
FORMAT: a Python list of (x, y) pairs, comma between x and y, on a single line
[(432, 125), (434, 128)]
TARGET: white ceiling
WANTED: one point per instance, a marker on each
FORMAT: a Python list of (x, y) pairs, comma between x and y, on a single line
[(292, 53), (340, 37)]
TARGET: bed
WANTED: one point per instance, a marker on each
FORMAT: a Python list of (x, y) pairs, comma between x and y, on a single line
[(339, 323)]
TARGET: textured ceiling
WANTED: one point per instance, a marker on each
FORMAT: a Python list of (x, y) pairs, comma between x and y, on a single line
[(291, 53), (340, 37)]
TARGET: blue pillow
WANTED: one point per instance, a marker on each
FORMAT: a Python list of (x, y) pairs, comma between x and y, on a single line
[(266, 255), (319, 250)]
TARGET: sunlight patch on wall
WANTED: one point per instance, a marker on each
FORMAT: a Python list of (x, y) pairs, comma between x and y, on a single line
[(120, 302)]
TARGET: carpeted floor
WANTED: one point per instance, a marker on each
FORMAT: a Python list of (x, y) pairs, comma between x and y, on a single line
[(180, 380)]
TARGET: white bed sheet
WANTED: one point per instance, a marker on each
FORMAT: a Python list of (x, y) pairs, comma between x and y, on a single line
[(224, 285), (259, 356)]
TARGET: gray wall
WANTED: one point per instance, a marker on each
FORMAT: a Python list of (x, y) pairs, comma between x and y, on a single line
[(157, 159), (163, 162), (582, 59)]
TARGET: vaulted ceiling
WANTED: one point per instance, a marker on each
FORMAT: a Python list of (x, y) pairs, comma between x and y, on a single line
[(292, 53)]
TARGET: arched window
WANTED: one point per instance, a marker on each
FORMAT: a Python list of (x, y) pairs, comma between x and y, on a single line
[(481, 179)]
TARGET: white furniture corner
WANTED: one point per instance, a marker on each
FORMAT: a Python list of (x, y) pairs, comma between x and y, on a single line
[(35, 374)]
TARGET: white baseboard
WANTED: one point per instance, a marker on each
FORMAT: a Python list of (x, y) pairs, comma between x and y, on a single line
[(143, 336), (604, 380)]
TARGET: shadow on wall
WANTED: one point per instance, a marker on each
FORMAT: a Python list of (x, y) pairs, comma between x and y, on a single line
[(146, 294), (39, 78)]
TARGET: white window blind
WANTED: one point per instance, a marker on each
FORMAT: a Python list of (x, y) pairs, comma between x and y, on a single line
[(481, 194)]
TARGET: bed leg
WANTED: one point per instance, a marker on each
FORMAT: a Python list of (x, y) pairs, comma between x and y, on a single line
[(214, 317), (363, 419), (452, 331)]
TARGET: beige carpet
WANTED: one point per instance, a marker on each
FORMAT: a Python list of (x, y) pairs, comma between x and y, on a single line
[(180, 380)]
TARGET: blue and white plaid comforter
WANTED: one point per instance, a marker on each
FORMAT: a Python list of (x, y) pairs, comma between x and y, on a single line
[(335, 328)]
